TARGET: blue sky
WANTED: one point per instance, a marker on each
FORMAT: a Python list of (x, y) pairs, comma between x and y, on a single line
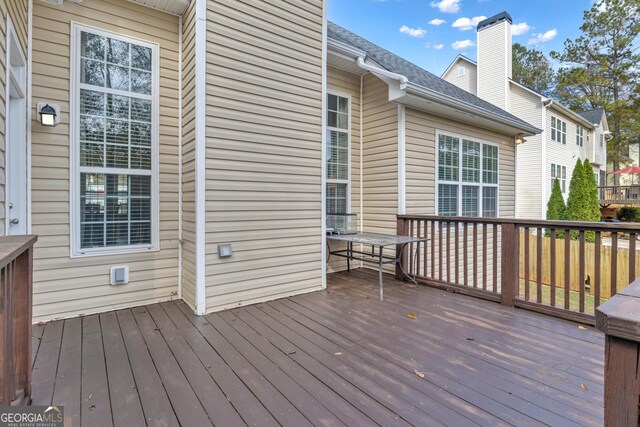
[(408, 27)]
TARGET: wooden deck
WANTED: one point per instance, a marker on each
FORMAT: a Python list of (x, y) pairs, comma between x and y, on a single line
[(337, 357)]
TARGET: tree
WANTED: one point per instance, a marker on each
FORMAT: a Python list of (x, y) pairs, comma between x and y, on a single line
[(593, 200), (556, 209), (582, 203), (531, 68), (599, 69)]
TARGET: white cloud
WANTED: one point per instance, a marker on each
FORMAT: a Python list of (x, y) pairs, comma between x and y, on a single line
[(437, 22), (602, 6), (462, 44), (413, 32), (465, 24), (447, 6), (543, 37), (438, 46), (519, 29)]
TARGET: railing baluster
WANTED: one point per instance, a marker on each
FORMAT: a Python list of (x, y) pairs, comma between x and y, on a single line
[(582, 272), (567, 269), (440, 250), (484, 257), (457, 255), (449, 252), (495, 258), (465, 257), (433, 250), (526, 265), (614, 263), (417, 257), (596, 270), (475, 254), (552, 266), (539, 266), (632, 257)]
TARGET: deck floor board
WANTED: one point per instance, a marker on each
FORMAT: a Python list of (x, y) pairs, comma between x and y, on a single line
[(331, 358)]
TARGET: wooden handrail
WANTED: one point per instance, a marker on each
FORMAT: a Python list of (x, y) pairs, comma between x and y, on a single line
[(16, 270), (619, 319)]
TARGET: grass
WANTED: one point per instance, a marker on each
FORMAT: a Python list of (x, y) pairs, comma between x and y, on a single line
[(574, 297)]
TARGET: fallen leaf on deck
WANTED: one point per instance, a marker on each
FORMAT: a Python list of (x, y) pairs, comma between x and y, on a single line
[(471, 339), (418, 373), (412, 316), (584, 386), (337, 354), (582, 327)]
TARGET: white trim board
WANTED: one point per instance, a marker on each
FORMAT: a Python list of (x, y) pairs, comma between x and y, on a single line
[(402, 161)]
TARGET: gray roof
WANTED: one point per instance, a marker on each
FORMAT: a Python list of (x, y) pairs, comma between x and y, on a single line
[(502, 16), (592, 116), (415, 74)]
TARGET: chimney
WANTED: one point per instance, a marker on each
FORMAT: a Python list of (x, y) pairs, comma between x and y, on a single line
[(494, 59)]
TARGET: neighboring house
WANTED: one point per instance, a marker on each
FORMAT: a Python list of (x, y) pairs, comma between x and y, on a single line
[(566, 136), (185, 125)]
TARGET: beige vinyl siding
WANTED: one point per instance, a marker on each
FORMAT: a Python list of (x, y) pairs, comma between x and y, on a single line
[(422, 173), (188, 157), (65, 287), (494, 64), (468, 81), (380, 157), (17, 10), (344, 83), (263, 150), (530, 193)]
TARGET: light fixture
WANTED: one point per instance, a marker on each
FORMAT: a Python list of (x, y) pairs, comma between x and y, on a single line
[(520, 139), (49, 114)]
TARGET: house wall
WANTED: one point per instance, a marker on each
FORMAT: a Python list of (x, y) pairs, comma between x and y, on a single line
[(63, 286), (263, 150), (560, 154), (529, 171), (421, 149), (469, 81), (188, 156), (342, 82), (380, 158), (17, 11)]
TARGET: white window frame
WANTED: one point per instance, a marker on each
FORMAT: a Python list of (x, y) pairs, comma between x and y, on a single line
[(579, 136), (558, 130), (563, 181), (328, 130), (460, 183), (74, 125), (462, 71)]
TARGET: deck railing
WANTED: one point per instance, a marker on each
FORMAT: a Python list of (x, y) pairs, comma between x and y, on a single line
[(619, 319), (619, 194), (16, 261), (561, 268)]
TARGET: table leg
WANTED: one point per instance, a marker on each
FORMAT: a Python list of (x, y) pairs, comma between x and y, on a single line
[(349, 255), (380, 274)]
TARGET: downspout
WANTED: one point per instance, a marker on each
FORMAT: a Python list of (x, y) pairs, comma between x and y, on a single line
[(29, 103), (379, 71), (180, 100), (361, 153)]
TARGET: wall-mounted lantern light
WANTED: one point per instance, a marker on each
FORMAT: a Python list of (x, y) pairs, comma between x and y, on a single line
[(49, 114), (520, 139)]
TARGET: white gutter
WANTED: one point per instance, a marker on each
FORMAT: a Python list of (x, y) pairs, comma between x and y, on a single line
[(381, 72)]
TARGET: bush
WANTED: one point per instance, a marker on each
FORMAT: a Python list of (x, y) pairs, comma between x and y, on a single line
[(629, 213), (556, 209), (583, 204)]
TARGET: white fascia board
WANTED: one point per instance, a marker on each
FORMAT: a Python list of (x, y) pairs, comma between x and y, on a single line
[(455, 61)]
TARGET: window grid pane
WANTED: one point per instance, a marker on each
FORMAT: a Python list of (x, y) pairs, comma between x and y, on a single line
[(489, 164), (470, 201), (447, 200), (448, 158), (490, 202), (470, 161), (336, 198)]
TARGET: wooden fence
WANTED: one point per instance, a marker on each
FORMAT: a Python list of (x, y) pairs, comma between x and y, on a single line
[(16, 263)]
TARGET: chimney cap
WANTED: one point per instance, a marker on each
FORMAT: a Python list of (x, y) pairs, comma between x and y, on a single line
[(502, 16)]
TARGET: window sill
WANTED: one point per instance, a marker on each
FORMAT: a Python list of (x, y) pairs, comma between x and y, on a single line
[(114, 251)]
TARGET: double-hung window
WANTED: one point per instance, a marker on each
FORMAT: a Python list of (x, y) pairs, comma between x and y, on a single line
[(115, 118), (580, 135), (337, 177), (560, 173), (558, 130), (467, 177)]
